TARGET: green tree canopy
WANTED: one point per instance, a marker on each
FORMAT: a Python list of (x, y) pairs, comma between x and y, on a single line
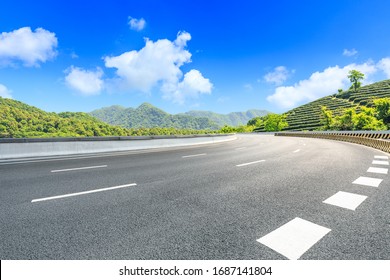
[(355, 76)]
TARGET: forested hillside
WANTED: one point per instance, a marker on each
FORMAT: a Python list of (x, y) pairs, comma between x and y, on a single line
[(18, 119), (147, 116)]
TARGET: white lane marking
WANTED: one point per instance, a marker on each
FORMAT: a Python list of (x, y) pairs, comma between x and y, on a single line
[(241, 148), (296, 151), (197, 155), (81, 193), (78, 168), (381, 157), (380, 162), (367, 181), (346, 200), (378, 170), (248, 163), (294, 238)]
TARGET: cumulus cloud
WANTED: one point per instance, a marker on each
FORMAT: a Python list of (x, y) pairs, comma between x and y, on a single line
[(278, 76), (158, 64), (5, 92), (384, 65), (318, 85), (137, 24), (27, 46), (191, 86), (85, 81), (351, 52)]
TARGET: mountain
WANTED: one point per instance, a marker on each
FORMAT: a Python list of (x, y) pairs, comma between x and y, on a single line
[(231, 119), (307, 116), (18, 119), (147, 115)]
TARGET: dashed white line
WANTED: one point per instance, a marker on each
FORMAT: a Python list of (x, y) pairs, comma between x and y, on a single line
[(380, 162), (296, 151), (241, 148), (294, 238), (78, 168), (248, 163), (346, 200), (381, 157), (378, 170), (81, 193), (367, 181), (197, 155)]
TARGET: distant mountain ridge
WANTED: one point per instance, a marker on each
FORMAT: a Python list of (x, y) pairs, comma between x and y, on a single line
[(148, 116), (231, 119)]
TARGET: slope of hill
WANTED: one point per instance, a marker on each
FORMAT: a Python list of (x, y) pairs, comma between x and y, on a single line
[(18, 119), (231, 119), (307, 116)]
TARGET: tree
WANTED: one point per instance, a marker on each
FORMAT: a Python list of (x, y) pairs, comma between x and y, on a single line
[(382, 106), (355, 76), (326, 118), (275, 122)]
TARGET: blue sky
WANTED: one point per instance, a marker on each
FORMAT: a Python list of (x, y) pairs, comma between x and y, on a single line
[(221, 56)]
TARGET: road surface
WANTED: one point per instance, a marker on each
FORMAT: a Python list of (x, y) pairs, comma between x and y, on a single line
[(258, 197)]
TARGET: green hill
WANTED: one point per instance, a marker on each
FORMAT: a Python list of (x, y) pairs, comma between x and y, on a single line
[(147, 116), (18, 119), (307, 117), (231, 119)]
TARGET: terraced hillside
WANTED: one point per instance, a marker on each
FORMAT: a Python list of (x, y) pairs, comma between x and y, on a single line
[(307, 117)]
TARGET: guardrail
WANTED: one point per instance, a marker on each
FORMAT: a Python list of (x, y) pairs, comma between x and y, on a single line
[(13, 148), (376, 139)]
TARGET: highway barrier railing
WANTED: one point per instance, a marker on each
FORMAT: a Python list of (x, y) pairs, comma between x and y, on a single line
[(376, 139), (14, 148)]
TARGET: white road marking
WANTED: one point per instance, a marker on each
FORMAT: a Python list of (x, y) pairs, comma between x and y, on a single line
[(197, 155), (241, 148), (378, 170), (381, 157), (346, 200), (380, 162), (296, 151), (294, 238), (248, 163), (367, 181), (78, 168), (81, 193)]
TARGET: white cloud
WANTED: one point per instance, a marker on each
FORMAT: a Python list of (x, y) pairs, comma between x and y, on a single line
[(5, 92), (193, 85), (26, 46), (158, 64), (137, 24), (351, 52), (248, 87), (86, 82), (318, 85), (384, 65), (278, 76)]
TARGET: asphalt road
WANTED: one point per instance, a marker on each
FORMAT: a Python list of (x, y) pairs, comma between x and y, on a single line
[(212, 201)]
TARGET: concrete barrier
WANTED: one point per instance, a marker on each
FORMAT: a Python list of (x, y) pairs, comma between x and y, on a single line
[(44, 147), (376, 139)]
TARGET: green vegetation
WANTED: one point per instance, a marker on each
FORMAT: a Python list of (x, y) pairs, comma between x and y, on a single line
[(366, 119), (232, 119), (270, 122), (21, 120), (310, 117), (355, 76), (146, 115)]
